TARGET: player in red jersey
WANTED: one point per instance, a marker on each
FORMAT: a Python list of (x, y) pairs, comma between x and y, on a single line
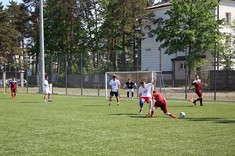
[(13, 87), (159, 100), (197, 84)]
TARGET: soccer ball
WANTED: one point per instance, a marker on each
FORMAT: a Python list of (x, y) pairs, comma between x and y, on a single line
[(182, 115)]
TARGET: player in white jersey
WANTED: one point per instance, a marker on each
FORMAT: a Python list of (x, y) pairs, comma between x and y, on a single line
[(114, 86), (47, 90), (145, 95)]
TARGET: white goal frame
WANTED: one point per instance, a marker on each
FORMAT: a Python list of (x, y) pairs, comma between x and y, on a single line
[(156, 74)]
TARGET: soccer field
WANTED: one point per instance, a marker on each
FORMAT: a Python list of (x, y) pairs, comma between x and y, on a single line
[(87, 126)]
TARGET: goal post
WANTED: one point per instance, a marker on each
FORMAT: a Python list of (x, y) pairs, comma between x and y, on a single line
[(137, 77)]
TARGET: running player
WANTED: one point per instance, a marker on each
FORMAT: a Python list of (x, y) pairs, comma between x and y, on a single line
[(197, 84)]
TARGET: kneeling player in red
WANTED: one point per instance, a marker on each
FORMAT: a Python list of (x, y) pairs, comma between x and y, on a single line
[(159, 100)]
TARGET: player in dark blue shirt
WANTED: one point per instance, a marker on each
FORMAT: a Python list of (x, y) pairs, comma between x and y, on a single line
[(130, 89)]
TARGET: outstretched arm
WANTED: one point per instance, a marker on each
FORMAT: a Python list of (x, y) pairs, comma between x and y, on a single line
[(154, 80)]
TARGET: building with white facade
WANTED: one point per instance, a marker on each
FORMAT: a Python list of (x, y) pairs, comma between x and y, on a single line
[(173, 66)]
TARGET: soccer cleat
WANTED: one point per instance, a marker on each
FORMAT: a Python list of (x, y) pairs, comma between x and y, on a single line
[(49, 100), (201, 105), (44, 101), (140, 111), (152, 114), (194, 102)]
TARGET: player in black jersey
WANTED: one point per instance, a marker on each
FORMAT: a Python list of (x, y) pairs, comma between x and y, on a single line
[(130, 89)]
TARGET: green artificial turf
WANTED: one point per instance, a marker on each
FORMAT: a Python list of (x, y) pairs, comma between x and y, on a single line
[(84, 126)]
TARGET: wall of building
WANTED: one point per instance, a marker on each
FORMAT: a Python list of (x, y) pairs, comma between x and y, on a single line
[(154, 59)]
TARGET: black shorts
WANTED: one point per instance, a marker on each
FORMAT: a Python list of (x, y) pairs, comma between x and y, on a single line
[(114, 93)]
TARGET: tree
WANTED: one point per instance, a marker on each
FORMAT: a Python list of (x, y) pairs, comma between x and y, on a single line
[(9, 45), (191, 25), (227, 49), (121, 31), (18, 18)]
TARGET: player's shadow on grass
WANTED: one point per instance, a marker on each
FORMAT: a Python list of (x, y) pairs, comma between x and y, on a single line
[(125, 114), (216, 120), (31, 102), (139, 116), (93, 105), (181, 106), (132, 115)]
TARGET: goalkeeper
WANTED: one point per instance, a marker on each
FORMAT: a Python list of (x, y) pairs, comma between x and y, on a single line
[(130, 88)]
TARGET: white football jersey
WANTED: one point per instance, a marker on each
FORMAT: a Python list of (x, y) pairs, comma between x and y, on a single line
[(114, 85), (146, 91)]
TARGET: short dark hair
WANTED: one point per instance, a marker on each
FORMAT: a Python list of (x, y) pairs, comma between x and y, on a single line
[(114, 76)]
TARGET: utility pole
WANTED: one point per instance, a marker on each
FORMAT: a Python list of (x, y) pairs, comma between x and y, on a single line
[(42, 61)]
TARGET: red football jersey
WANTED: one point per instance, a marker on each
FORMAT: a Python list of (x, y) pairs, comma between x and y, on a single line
[(159, 97), (197, 84), (13, 84)]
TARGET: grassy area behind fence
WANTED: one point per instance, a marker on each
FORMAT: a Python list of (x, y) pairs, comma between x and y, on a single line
[(171, 93)]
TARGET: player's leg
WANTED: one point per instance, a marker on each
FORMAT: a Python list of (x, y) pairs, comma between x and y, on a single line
[(132, 95), (165, 111), (44, 98), (141, 103), (128, 93), (153, 109), (110, 98), (195, 101), (201, 104), (199, 94), (201, 97), (117, 97), (150, 102), (15, 93), (12, 94), (49, 97)]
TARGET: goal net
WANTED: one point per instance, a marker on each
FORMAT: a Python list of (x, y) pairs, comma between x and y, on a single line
[(136, 77)]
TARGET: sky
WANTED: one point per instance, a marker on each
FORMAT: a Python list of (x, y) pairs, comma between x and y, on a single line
[(6, 2)]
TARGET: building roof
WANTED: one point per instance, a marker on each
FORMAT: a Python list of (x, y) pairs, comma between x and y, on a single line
[(163, 4), (182, 58)]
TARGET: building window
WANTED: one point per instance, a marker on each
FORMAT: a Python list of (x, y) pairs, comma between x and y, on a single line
[(228, 18), (182, 65)]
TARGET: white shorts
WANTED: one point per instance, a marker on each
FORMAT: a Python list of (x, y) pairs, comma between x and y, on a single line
[(130, 90), (47, 89)]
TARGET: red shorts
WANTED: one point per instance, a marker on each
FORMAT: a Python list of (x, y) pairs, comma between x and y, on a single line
[(161, 104), (199, 93), (145, 99), (13, 90)]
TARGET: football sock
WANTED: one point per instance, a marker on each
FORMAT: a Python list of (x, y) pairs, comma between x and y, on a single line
[(141, 103)]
